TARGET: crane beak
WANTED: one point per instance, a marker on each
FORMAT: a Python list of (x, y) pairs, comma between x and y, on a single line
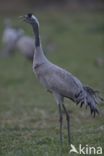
[(21, 18)]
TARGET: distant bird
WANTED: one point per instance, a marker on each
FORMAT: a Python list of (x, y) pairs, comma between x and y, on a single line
[(9, 38), (60, 82), (15, 39), (99, 62), (25, 45), (9, 33)]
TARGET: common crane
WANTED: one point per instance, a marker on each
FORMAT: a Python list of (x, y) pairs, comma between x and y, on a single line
[(60, 82), (15, 39), (9, 38), (25, 45)]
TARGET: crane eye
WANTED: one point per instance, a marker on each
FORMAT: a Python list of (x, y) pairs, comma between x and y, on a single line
[(29, 15)]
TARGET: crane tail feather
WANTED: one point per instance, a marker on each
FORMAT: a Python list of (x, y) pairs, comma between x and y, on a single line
[(90, 98)]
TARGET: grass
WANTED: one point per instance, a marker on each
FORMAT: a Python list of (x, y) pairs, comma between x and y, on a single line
[(28, 115)]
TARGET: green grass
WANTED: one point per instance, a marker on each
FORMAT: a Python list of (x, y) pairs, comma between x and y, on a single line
[(28, 114)]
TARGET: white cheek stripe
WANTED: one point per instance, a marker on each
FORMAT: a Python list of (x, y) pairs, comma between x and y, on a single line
[(35, 19)]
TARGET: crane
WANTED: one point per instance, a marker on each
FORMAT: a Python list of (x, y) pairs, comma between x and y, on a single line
[(25, 45), (61, 83), (10, 36), (15, 38)]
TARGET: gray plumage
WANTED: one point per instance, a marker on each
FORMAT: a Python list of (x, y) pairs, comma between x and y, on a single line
[(25, 46), (9, 33), (60, 82), (14, 39), (9, 38)]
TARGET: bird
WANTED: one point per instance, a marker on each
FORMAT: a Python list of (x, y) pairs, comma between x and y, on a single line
[(14, 38), (9, 37), (60, 82), (25, 45)]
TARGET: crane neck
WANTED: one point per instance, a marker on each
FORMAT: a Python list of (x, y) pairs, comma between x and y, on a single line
[(39, 57), (37, 36)]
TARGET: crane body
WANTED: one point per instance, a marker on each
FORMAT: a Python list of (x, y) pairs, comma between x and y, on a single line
[(56, 79)]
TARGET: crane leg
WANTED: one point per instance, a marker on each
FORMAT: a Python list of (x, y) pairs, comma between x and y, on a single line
[(60, 120), (68, 122)]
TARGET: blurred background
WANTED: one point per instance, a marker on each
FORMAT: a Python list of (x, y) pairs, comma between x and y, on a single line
[(72, 34), (15, 6)]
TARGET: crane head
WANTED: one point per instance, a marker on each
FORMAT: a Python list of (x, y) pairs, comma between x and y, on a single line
[(31, 19)]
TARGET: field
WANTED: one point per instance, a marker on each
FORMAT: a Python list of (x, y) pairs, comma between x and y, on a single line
[(28, 114)]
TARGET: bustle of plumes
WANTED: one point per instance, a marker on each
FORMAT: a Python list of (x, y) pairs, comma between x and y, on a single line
[(89, 97)]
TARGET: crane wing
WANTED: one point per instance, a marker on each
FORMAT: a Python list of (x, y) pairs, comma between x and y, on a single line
[(63, 82)]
